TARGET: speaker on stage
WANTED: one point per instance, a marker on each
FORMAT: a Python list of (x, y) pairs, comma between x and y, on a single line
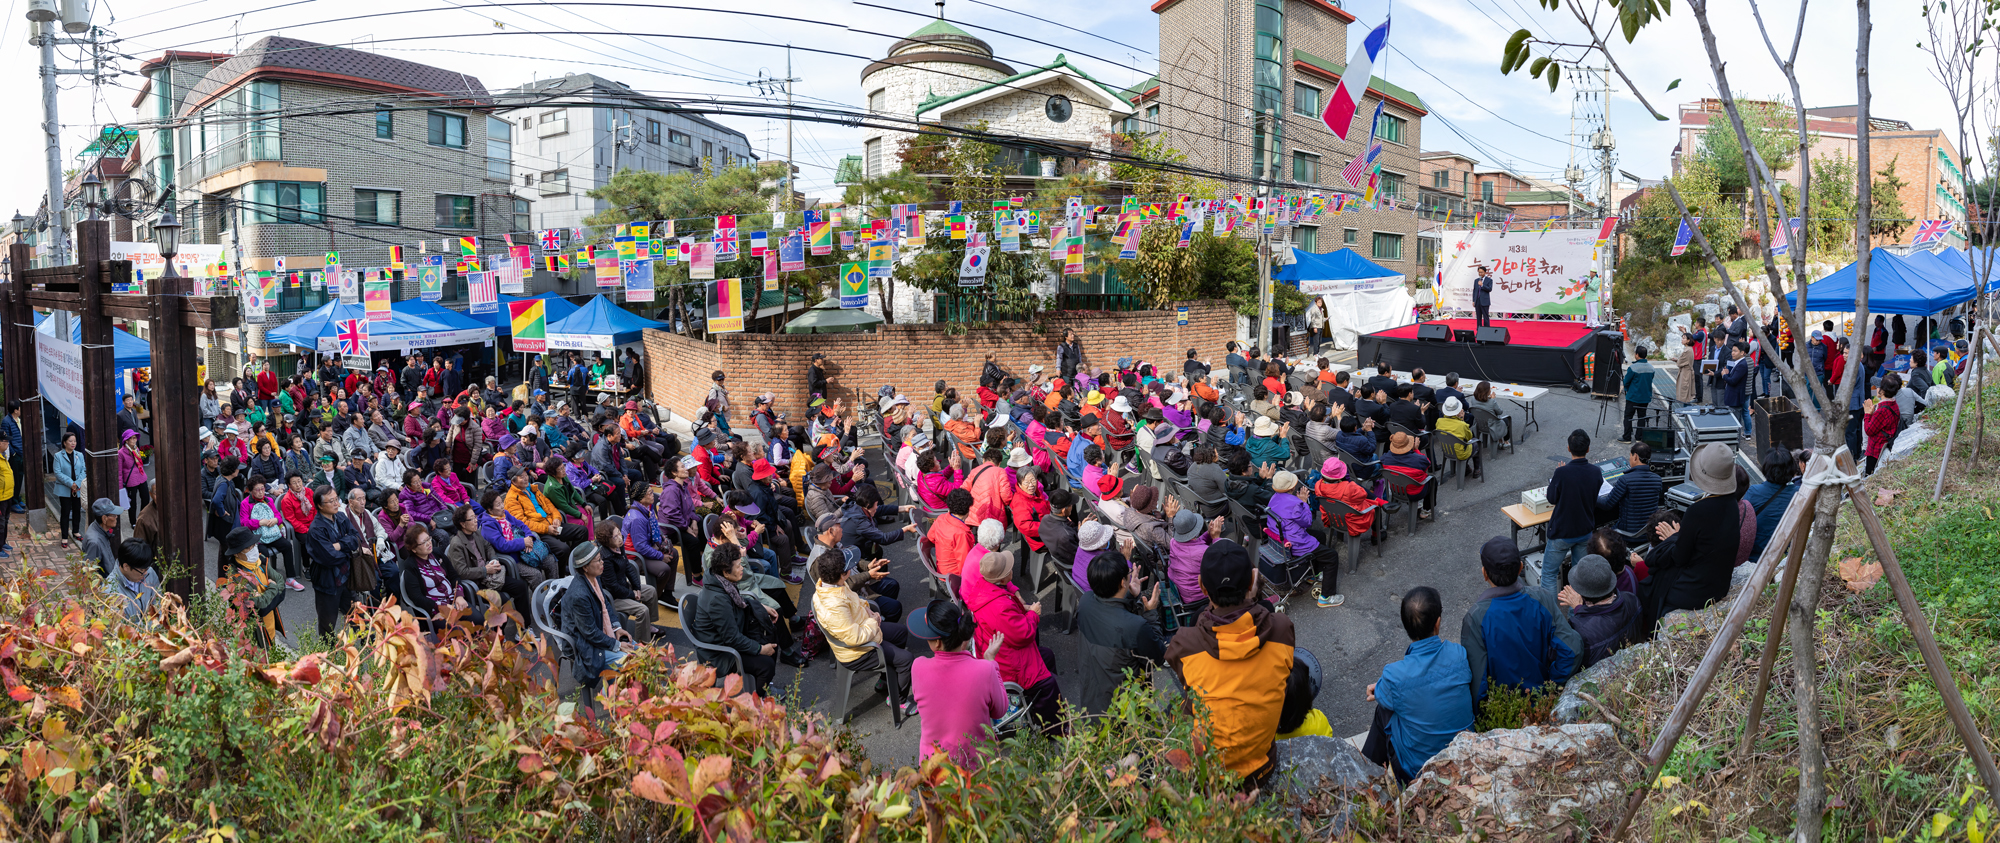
[(1434, 331), (1492, 335), (1461, 334), (1608, 362)]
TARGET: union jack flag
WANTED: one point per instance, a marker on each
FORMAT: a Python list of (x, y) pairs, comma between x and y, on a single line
[(1932, 231), (353, 334), (552, 240)]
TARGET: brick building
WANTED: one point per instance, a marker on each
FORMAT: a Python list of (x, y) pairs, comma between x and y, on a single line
[(1224, 60), (1925, 159)]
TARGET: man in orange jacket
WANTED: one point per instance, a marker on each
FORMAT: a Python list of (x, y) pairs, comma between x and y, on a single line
[(533, 508)]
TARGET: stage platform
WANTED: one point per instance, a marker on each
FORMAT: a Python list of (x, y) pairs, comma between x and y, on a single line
[(1540, 352)]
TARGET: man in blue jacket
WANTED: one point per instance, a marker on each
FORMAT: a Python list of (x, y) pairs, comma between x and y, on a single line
[(1482, 296), (1638, 390), (1736, 383), (1515, 634), (1423, 700)]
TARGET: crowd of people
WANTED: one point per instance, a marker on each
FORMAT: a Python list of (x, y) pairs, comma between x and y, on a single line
[(1169, 512)]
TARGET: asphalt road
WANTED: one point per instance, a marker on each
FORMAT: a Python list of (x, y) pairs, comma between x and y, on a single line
[(1352, 641)]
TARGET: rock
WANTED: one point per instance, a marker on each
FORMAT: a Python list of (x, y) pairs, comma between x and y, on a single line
[(1666, 307), (1683, 304), (1537, 783), (1712, 298), (1740, 575), (1571, 708), (1331, 772), (1707, 310)]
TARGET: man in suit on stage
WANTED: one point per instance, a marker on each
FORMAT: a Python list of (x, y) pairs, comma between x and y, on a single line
[(1482, 296)]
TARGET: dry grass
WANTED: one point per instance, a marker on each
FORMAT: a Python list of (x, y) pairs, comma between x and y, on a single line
[(1894, 762)]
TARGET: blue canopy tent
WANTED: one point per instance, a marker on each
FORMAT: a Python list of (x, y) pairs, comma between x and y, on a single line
[(1896, 285), (1976, 263), (1361, 297), (503, 324), (127, 351), (408, 327), (599, 326)]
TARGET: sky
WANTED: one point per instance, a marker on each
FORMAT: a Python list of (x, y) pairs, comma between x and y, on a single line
[(1448, 51)]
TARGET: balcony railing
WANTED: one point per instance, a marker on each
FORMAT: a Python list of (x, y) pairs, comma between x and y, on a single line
[(251, 146), (553, 187)]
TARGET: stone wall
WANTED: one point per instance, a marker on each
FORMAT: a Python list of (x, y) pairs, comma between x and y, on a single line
[(914, 357)]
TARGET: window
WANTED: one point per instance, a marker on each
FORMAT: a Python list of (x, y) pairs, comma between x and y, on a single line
[(284, 202), (528, 122), (447, 130), (708, 149), (301, 298), (1441, 179), (1486, 191), (872, 160), (1392, 185), (1349, 237), (679, 138), (385, 122), (653, 132), (1305, 168), (455, 211), (1307, 238), (1305, 99), (499, 149), (377, 207), (723, 159), (521, 222), (878, 101), (556, 176), (1388, 246), (1153, 117), (1389, 128), (553, 116)]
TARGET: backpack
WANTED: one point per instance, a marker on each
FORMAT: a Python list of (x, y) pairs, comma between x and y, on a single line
[(812, 641)]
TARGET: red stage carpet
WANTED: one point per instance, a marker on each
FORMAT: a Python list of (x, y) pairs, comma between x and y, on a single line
[(1548, 334), (1543, 353)]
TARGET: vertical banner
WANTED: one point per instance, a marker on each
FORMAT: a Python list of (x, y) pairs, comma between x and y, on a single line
[(1181, 316), (822, 238), (701, 260), (853, 285), (792, 252), (972, 269), (531, 327), (430, 279), (481, 289), (914, 226), (267, 292), (638, 281), (880, 264), (376, 297), (1073, 257), (770, 271), (607, 271), (353, 337), (725, 306), (725, 237), (513, 278)]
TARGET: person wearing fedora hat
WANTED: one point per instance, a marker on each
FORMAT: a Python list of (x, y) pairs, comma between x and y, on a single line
[(1695, 570), (1607, 619), (1406, 460)]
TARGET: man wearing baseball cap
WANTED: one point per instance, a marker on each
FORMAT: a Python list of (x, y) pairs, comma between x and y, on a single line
[(1237, 657), (1607, 619)]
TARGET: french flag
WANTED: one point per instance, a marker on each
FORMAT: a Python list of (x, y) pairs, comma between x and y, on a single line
[(1346, 99)]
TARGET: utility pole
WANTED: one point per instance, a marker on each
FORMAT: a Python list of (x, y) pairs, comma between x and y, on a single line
[(45, 37), (770, 86), (1265, 175)]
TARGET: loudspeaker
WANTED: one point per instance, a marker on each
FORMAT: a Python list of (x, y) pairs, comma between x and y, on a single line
[(1434, 331), (1608, 363), (1461, 334), (1492, 335)]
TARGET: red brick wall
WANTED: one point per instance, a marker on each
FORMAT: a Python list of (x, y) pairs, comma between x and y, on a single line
[(914, 357)]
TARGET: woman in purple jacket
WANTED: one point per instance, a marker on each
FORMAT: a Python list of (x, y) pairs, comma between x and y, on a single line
[(642, 538)]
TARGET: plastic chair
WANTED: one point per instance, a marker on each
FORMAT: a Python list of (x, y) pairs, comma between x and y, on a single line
[(1446, 447), (1406, 493), (1484, 420), (875, 663), (939, 587), (686, 609), (1283, 572), (1249, 525), (1335, 513)]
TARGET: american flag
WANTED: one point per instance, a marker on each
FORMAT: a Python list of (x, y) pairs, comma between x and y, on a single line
[(1931, 231), (483, 289), (552, 240), (353, 334)]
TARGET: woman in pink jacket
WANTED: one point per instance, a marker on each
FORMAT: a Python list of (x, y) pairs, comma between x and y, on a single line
[(997, 605), (959, 693), (934, 481), (132, 472), (445, 485)]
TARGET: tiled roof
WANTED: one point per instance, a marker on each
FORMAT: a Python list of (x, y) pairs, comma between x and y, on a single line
[(337, 66), (1062, 61)]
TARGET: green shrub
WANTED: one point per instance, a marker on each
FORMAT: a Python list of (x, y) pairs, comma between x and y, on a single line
[(1508, 707)]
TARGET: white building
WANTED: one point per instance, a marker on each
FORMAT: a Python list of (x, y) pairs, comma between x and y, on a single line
[(574, 132)]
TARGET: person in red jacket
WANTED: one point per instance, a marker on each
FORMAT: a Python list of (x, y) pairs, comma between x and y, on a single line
[(267, 387), (1883, 418), (1025, 511)]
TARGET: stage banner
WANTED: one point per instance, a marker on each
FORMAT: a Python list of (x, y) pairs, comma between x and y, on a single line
[(1549, 272)]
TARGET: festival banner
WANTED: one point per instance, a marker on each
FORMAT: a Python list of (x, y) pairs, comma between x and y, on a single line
[(770, 271), (725, 306), (701, 260), (531, 326), (972, 269), (853, 285), (514, 269), (430, 279), (914, 225), (1543, 273), (482, 290), (822, 238), (638, 280), (375, 297), (1073, 257), (352, 334), (607, 271), (792, 251), (725, 237), (880, 263)]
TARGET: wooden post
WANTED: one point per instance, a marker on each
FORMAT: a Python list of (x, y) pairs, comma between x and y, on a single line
[(100, 422), (176, 450), (23, 377), (1772, 638)]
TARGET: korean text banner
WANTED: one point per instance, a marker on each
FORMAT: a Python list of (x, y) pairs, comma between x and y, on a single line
[(725, 306), (1548, 272)]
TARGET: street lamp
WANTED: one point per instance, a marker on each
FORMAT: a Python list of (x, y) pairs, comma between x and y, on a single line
[(90, 184), (167, 236)]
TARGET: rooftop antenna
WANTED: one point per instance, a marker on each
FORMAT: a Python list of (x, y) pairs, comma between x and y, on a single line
[(940, 5)]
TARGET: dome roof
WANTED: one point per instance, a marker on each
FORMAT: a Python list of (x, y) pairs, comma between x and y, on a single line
[(940, 41)]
